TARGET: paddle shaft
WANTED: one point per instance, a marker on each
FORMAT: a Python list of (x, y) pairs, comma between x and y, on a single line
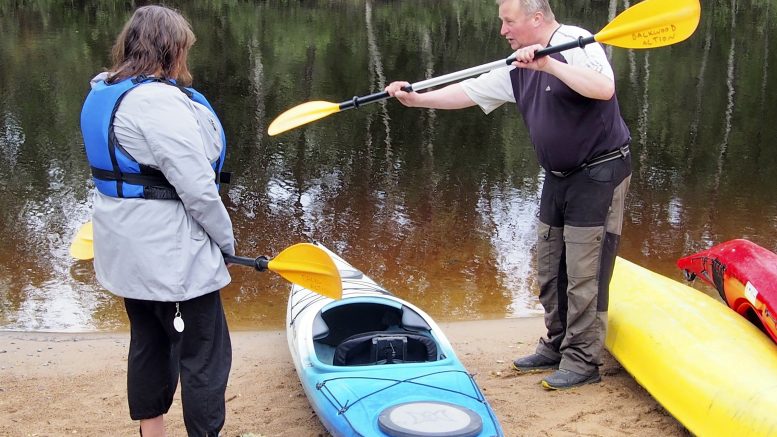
[(462, 74), (259, 263)]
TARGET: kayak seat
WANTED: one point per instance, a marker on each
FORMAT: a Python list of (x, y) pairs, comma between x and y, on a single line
[(385, 347), (334, 325)]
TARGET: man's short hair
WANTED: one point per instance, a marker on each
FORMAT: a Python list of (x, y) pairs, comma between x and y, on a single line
[(532, 6)]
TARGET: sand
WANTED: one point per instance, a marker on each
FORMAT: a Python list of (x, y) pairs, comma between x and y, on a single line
[(74, 384)]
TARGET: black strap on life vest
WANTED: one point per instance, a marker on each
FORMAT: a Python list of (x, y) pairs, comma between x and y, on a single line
[(155, 185)]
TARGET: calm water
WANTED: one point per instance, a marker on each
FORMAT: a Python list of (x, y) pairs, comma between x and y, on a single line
[(437, 206)]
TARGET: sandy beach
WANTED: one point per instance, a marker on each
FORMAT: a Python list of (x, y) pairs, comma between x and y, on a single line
[(74, 384)]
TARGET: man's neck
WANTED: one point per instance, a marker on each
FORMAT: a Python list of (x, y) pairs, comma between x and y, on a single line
[(546, 32)]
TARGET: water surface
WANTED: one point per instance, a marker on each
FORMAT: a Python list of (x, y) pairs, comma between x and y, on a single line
[(439, 207)]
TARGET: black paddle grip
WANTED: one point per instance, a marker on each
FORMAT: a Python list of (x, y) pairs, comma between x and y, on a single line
[(579, 42), (259, 263), (357, 101)]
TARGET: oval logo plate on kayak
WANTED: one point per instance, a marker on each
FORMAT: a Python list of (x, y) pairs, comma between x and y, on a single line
[(429, 419)]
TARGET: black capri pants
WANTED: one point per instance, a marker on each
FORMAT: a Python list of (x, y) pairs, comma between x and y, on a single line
[(201, 356)]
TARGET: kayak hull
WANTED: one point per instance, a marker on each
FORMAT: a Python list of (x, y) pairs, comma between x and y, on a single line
[(710, 368), (745, 275), (352, 383)]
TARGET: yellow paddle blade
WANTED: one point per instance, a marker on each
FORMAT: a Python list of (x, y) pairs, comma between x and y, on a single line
[(82, 247), (309, 266), (302, 114), (652, 23)]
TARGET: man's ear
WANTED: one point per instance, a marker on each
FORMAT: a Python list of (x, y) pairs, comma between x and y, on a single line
[(537, 19)]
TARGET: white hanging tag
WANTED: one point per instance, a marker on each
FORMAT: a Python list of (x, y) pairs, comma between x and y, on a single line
[(178, 321)]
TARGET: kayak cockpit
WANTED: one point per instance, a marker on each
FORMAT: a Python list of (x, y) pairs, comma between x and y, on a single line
[(372, 333)]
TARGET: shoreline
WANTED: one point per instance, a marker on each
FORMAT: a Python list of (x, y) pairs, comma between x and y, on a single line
[(74, 383)]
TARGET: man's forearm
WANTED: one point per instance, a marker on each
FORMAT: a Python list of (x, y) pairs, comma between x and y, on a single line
[(450, 97)]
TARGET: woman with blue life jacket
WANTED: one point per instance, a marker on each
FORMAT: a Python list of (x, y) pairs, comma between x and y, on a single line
[(160, 227)]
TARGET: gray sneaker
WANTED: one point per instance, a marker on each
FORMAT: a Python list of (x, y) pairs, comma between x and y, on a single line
[(534, 363), (563, 379)]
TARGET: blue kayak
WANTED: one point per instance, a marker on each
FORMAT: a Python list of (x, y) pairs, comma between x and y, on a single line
[(372, 364)]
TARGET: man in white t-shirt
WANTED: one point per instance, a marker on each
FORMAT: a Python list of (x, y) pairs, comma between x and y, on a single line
[(569, 106)]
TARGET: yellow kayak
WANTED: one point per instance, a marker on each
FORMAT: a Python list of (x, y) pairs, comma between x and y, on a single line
[(709, 367)]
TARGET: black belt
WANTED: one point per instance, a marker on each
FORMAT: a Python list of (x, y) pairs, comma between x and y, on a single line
[(601, 159)]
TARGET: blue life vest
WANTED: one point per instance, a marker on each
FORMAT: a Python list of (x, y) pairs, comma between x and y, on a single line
[(115, 172)]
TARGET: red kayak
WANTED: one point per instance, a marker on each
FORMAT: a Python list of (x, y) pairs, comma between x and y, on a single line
[(745, 275)]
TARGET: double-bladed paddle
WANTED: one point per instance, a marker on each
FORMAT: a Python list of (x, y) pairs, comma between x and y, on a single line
[(646, 25), (304, 264)]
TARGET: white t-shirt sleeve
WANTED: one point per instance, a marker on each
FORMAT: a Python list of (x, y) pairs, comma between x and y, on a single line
[(490, 90), (591, 56)]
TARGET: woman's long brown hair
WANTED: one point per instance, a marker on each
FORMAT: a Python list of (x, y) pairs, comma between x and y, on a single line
[(155, 41)]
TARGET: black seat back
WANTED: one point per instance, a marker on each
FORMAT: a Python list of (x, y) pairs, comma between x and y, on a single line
[(380, 347)]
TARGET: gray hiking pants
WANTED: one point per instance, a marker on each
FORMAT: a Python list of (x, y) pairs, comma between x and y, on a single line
[(581, 218)]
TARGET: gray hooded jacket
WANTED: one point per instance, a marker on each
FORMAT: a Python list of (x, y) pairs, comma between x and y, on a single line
[(165, 250)]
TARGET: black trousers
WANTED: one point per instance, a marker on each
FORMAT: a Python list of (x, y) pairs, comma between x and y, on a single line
[(201, 356)]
